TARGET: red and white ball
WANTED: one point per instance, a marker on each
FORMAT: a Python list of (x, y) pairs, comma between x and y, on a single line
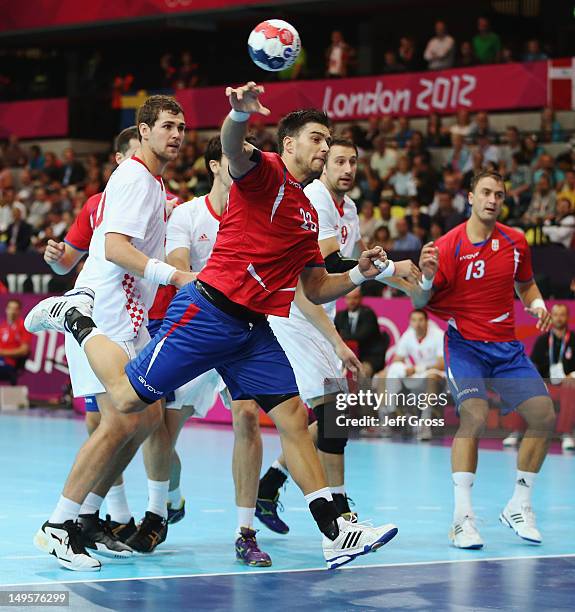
[(274, 45)]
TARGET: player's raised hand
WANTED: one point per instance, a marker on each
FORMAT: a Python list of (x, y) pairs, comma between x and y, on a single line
[(366, 262), (245, 99), (543, 317), (429, 260), (408, 270), (54, 251)]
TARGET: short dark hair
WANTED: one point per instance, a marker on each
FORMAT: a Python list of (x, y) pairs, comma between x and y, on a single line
[(486, 174), (291, 124), (420, 311), (15, 301), (122, 142), (343, 142), (150, 110), (213, 153)]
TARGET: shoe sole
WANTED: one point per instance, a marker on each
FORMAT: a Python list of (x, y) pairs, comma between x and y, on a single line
[(257, 564), (103, 551), (176, 518), (505, 522), (345, 559), (41, 543)]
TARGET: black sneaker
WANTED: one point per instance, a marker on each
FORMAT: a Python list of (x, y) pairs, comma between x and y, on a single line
[(63, 540), (151, 531), (122, 531), (97, 535)]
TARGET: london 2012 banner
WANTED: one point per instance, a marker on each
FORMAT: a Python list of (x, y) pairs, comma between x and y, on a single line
[(496, 87)]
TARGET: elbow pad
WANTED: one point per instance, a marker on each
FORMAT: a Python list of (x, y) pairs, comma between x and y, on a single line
[(335, 263)]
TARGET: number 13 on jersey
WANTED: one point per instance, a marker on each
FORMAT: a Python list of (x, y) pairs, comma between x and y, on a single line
[(476, 269)]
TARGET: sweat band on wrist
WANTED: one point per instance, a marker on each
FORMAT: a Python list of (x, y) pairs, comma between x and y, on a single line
[(538, 303), (388, 271), (158, 272), (426, 283), (239, 116), (356, 277)]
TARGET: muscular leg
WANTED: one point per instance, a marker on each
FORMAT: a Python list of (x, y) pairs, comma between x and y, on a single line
[(247, 454), (540, 417), (92, 422), (290, 418), (464, 451), (175, 421)]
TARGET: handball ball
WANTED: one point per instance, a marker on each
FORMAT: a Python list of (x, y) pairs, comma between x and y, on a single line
[(274, 45)]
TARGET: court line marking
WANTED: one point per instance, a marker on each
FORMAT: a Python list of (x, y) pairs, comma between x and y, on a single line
[(291, 571)]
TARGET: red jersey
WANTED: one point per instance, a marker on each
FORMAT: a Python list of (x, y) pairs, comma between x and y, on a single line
[(474, 286), (80, 234), (267, 235), (12, 336)]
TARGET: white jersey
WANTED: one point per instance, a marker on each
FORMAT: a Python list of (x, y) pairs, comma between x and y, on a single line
[(133, 204), (193, 225), (424, 353)]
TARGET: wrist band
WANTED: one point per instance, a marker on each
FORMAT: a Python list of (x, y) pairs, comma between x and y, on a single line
[(158, 272), (538, 303), (426, 283), (238, 116), (356, 277), (388, 271)]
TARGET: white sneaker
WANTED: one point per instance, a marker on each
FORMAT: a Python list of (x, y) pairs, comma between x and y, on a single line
[(568, 443), (522, 521), (355, 539), (51, 312), (464, 534), (63, 541), (512, 440)]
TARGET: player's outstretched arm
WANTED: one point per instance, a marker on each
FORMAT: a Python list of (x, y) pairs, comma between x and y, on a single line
[(321, 287), (534, 304), (121, 251), (61, 256), (244, 101), (429, 264)]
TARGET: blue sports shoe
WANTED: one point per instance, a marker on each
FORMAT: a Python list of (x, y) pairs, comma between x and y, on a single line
[(248, 551), (267, 513)]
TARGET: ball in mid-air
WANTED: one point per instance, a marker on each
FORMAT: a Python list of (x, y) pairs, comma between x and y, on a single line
[(274, 45)]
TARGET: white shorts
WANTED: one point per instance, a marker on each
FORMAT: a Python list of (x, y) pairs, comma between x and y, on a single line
[(201, 393), (396, 378), (317, 369), (84, 381)]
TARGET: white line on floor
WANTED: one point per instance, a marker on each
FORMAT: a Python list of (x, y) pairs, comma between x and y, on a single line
[(213, 510), (293, 571)]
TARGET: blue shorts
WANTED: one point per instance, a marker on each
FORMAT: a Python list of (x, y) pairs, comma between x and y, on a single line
[(472, 367), (195, 337), (154, 326), (91, 403)]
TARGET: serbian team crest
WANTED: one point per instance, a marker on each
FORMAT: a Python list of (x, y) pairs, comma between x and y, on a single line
[(495, 245)]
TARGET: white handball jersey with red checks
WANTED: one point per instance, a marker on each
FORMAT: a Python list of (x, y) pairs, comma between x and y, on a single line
[(133, 204), (268, 234), (474, 288)]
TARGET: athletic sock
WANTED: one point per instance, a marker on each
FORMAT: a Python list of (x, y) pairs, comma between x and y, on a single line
[(462, 483), (158, 497), (175, 498), (523, 487), (92, 504), (324, 512), (117, 503), (65, 510), (270, 483), (245, 518)]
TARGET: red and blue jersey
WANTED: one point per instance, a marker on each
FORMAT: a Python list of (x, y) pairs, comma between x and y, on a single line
[(268, 234), (80, 233), (474, 288)]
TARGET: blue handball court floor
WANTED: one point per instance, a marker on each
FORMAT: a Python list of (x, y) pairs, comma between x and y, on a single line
[(195, 569)]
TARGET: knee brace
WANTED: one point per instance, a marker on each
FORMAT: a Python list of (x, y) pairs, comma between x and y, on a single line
[(330, 437)]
